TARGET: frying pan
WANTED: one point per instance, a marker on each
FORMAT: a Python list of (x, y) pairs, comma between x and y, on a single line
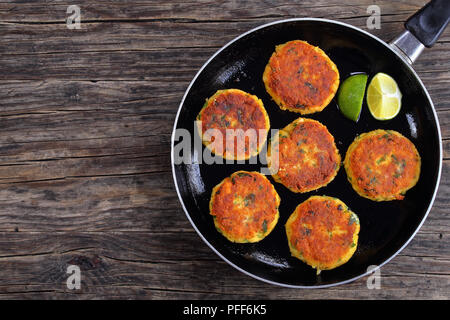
[(386, 227)]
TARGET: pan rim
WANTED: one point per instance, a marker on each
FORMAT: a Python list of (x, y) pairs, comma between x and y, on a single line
[(436, 187)]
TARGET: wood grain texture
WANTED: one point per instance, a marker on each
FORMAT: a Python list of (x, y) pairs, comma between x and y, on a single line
[(85, 123)]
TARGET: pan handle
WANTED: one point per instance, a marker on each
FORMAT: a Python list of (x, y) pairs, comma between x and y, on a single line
[(422, 29)]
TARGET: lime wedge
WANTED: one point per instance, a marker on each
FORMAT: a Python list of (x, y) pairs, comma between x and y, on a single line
[(351, 94), (384, 98)]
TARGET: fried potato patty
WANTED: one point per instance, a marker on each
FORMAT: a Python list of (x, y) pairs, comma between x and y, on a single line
[(382, 165), (300, 77), (307, 156), (237, 110), (245, 207), (323, 232)]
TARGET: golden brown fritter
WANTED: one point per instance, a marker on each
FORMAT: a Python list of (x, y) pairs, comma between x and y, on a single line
[(307, 156), (245, 207), (382, 165), (323, 232), (300, 77), (237, 110)]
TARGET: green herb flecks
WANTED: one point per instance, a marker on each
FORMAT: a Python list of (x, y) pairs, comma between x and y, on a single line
[(401, 165), (243, 174), (249, 199), (239, 116), (387, 136), (264, 226), (382, 159), (373, 181), (311, 87), (224, 122), (394, 158), (307, 231)]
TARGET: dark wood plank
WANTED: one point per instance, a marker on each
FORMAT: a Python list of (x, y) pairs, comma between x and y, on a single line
[(177, 60), (202, 10), (116, 264)]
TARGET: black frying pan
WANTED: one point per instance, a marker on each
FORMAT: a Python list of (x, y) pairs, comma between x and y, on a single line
[(386, 227)]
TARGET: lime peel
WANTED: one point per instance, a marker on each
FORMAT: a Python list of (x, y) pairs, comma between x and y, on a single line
[(351, 95)]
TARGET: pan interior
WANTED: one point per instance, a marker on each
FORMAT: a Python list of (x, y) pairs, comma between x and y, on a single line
[(385, 226)]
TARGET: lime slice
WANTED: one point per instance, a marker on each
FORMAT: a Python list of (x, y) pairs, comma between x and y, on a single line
[(351, 95), (384, 98)]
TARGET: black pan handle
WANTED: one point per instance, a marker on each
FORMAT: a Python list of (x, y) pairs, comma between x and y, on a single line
[(428, 23), (422, 29)]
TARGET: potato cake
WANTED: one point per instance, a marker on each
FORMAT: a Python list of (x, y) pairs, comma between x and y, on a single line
[(245, 207), (307, 156), (229, 110), (323, 232), (300, 77), (382, 165)]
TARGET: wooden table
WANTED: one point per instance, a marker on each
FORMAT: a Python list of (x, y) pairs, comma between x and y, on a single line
[(85, 122)]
